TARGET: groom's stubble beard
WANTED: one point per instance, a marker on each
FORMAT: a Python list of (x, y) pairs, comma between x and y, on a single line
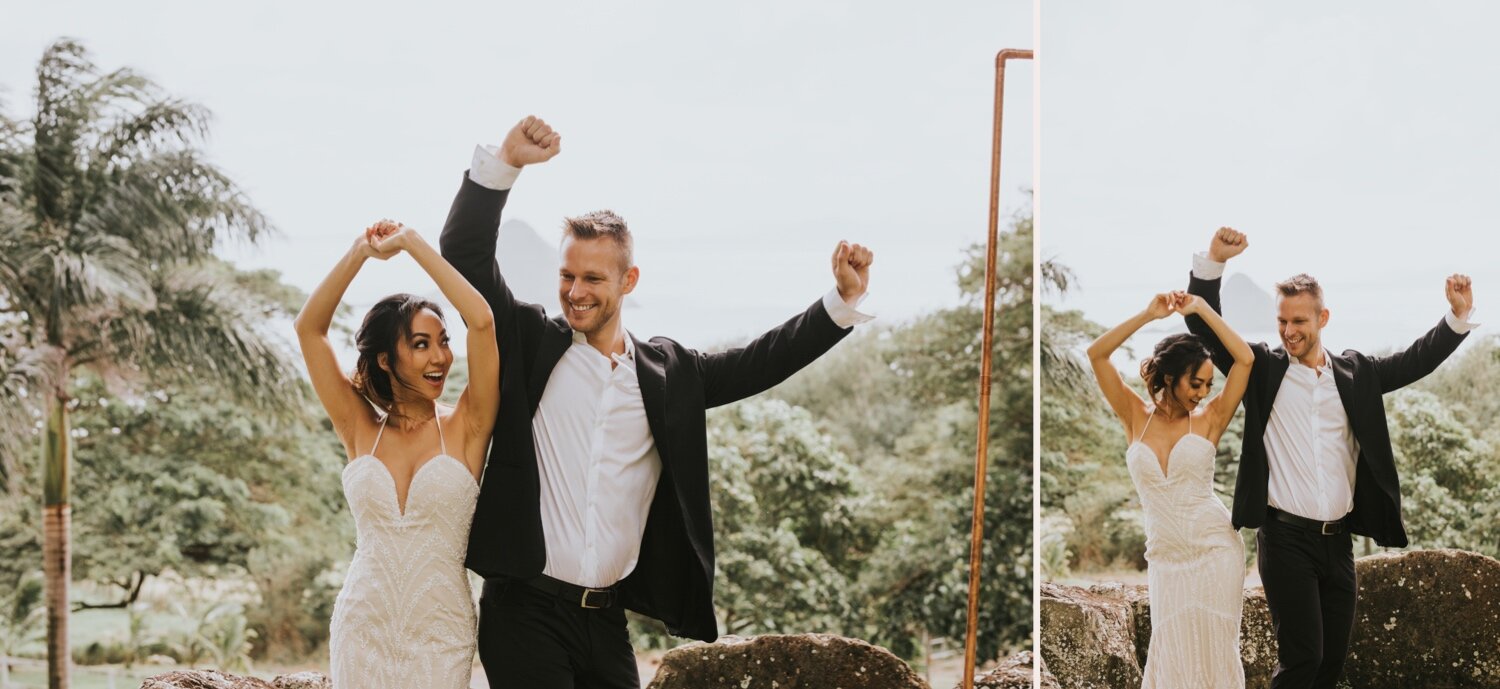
[(1300, 322)]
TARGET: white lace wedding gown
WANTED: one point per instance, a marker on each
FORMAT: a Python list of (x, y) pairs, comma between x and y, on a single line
[(1195, 568), (405, 617)]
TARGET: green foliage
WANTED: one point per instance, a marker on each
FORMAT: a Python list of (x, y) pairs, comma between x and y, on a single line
[(786, 517), (1450, 479), (22, 615), (901, 400), (190, 481)]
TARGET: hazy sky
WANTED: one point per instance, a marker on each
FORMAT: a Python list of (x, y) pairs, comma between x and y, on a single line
[(741, 142), (1356, 141)]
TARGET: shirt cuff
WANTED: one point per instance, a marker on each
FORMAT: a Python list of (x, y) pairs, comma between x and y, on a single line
[(1205, 268), (489, 171), (1460, 325), (844, 315)]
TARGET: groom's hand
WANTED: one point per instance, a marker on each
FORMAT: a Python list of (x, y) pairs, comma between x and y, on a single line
[(851, 270), (1460, 292), (1226, 244), (530, 141)]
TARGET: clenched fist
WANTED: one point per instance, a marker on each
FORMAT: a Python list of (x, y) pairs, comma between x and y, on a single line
[(530, 141), (851, 270), (1226, 244), (1460, 291)]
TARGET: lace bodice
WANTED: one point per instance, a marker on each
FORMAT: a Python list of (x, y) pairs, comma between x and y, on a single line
[(405, 617)]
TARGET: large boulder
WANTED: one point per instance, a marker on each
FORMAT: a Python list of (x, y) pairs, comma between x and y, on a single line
[(1088, 636), (202, 679), (302, 680), (1426, 618), (798, 661), (1015, 673), (1099, 636), (213, 679)]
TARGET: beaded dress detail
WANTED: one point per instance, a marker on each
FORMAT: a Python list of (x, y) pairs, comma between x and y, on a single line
[(405, 617)]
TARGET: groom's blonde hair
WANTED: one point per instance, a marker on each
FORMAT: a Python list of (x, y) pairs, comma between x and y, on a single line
[(601, 224), (1301, 283)]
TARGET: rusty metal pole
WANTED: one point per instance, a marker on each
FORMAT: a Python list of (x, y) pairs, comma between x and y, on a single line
[(981, 460)]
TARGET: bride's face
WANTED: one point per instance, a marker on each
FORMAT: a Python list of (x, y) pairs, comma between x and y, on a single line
[(423, 359), (1190, 390)]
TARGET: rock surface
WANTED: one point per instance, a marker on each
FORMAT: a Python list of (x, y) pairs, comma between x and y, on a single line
[(213, 679), (1015, 673), (801, 661), (1088, 636), (1425, 618), (202, 679), (302, 680)]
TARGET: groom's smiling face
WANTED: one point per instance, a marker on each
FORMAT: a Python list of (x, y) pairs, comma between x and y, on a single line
[(1300, 319), (592, 282)]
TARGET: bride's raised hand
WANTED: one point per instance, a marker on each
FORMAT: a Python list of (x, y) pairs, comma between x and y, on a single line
[(1161, 306), (369, 240), (392, 237), (1188, 304)]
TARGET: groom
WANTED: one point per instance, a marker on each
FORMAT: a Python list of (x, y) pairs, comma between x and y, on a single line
[(595, 495), (1316, 465)]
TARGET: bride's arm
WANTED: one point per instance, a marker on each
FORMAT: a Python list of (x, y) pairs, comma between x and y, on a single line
[(480, 400), (343, 404), (1128, 406), (1221, 408)]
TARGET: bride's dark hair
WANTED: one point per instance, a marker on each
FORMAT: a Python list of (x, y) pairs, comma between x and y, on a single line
[(1174, 357), (387, 323)]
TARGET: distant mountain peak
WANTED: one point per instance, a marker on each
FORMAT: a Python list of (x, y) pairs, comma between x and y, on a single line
[(1247, 307)]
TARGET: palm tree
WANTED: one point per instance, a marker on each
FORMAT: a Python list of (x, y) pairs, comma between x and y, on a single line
[(108, 220)]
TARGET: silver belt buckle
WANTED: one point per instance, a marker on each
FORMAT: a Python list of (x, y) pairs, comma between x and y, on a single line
[(1325, 530)]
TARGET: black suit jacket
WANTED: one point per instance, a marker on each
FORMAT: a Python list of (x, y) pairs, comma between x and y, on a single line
[(673, 578), (1361, 380)]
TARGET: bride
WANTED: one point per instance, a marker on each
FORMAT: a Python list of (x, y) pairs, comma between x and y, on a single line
[(405, 616), (1195, 559)]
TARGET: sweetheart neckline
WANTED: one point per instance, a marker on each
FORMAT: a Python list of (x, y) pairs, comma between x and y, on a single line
[(1166, 471), (400, 507)]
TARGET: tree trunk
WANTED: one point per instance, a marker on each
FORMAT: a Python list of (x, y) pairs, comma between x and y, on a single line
[(56, 519)]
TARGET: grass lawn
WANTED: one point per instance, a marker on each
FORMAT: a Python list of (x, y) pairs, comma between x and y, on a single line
[(83, 677)]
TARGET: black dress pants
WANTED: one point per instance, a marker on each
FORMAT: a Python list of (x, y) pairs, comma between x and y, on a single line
[(529, 639), (1310, 589)]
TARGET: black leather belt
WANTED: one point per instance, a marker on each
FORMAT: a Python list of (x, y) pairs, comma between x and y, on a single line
[(1323, 528), (573, 594)]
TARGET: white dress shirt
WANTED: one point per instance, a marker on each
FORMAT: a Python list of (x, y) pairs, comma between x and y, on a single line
[(596, 457), (1310, 447)]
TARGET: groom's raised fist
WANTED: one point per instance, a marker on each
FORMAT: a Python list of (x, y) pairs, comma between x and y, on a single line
[(1226, 244), (1460, 292), (530, 141), (851, 270)]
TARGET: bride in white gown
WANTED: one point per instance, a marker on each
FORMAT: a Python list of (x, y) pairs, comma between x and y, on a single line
[(1195, 559), (405, 617)]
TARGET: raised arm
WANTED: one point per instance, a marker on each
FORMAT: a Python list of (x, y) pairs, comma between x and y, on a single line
[(1127, 405), (344, 406), (1221, 408), (480, 400), (773, 357), (1423, 356), (472, 229), (1205, 280)]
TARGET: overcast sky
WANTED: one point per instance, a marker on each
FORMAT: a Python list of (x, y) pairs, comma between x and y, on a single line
[(1355, 141), (741, 142)]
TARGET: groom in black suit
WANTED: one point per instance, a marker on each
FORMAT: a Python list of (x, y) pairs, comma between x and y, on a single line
[(1316, 465), (595, 495)]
